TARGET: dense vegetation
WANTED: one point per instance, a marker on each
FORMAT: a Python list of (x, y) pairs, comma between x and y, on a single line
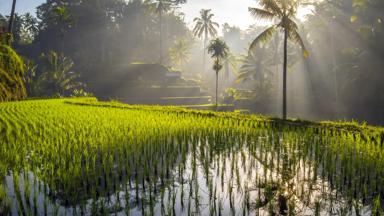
[(11, 73), (98, 36), (80, 155)]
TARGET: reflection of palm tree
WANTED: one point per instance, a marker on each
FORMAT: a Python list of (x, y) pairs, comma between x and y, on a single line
[(205, 26), (219, 51), (285, 165), (179, 53), (285, 12)]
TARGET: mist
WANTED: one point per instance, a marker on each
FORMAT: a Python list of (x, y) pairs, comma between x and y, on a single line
[(128, 51)]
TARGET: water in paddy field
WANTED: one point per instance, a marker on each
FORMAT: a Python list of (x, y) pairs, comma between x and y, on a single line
[(224, 173)]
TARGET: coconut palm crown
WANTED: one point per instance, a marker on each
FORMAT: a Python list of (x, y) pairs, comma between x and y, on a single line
[(219, 51), (283, 12), (206, 27)]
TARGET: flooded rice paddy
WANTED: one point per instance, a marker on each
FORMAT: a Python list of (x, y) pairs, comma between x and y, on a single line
[(197, 165)]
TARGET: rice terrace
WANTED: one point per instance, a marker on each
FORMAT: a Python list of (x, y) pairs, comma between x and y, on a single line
[(80, 156), (192, 107)]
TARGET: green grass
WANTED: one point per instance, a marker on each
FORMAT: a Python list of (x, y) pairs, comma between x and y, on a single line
[(83, 148), (352, 126)]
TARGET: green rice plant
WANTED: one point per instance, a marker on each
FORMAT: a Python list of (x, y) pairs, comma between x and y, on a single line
[(82, 149)]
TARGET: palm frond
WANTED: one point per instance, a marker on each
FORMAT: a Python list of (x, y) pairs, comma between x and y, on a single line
[(204, 24), (243, 76), (291, 24), (295, 37), (261, 14), (263, 37), (215, 24), (272, 6)]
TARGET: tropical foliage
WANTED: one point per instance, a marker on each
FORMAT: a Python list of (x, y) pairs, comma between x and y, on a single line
[(57, 75), (11, 74), (205, 27), (219, 52), (284, 12), (161, 7), (259, 70), (53, 76), (180, 53), (354, 32)]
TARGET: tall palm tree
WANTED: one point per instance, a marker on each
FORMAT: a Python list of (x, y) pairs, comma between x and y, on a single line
[(179, 1), (10, 25), (180, 52), (205, 27), (258, 68), (62, 18), (162, 7), (230, 63), (219, 51), (284, 13)]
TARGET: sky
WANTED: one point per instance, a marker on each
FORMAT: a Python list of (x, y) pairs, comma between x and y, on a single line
[(22, 6), (234, 12)]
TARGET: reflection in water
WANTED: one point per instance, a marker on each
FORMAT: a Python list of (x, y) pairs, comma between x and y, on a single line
[(258, 172)]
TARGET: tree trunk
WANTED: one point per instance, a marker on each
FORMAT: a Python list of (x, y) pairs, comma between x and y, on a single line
[(161, 37), (226, 71), (204, 51), (217, 84), (276, 56), (11, 18), (336, 88), (62, 42), (285, 74)]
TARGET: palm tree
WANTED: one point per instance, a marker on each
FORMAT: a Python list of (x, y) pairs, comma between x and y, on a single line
[(258, 68), (219, 51), (62, 18), (230, 63), (255, 67), (179, 2), (10, 25), (205, 26), (180, 52), (58, 74), (284, 12), (162, 7)]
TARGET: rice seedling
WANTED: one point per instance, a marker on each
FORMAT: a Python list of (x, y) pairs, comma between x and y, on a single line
[(81, 156)]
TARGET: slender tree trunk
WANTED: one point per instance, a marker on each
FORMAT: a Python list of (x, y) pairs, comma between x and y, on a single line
[(226, 71), (276, 56), (161, 37), (217, 85), (204, 52), (11, 18), (336, 88), (285, 74), (62, 42)]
